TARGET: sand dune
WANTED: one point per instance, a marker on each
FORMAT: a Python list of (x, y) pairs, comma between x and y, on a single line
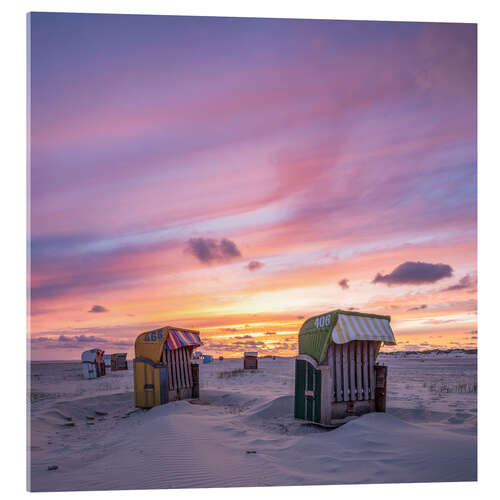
[(102, 442)]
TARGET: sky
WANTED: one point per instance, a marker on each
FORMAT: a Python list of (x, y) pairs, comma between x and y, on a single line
[(237, 176)]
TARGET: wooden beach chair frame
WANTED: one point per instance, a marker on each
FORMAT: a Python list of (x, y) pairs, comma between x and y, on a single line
[(336, 375)]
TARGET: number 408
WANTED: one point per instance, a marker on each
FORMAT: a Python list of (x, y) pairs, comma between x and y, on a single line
[(322, 321)]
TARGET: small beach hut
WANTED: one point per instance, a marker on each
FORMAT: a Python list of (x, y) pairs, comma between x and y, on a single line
[(250, 360), (93, 363), (163, 370), (119, 361), (207, 358), (336, 375), (107, 361)]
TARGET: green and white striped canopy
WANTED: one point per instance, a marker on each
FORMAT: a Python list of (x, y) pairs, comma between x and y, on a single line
[(352, 327), (340, 327)]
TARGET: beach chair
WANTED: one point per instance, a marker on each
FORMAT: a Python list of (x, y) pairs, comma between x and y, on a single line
[(336, 375), (163, 370)]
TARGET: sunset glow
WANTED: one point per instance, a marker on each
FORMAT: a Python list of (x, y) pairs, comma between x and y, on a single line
[(237, 176)]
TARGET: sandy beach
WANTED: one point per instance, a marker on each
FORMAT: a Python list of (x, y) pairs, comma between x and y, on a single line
[(242, 432)]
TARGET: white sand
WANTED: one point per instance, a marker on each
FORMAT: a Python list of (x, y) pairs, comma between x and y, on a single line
[(428, 434)]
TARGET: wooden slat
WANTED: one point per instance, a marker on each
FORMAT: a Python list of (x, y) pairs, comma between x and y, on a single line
[(366, 381), (352, 371), (170, 371), (345, 370), (181, 368), (338, 371), (188, 366), (331, 370), (326, 395), (359, 368), (182, 361), (371, 366), (174, 377), (177, 369)]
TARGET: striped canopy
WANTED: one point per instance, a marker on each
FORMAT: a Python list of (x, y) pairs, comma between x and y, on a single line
[(150, 345), (353, 327), (181, 338)]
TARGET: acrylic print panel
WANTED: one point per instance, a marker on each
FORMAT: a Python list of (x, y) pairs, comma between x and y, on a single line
[(297, 190)]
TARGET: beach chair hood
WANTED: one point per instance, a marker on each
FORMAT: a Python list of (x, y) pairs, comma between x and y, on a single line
[(341, 327), (150, 344), (90, 355)]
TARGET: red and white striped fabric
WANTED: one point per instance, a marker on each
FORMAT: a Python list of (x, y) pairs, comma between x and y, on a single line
[(180, 338)]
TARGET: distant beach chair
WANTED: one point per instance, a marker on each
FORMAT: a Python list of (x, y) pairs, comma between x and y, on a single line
[(93, 363), (107, 361), (163, 367), (250, 360), (119, 361), (336, 375)]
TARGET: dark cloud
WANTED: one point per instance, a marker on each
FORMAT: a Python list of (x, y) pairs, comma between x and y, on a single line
[(250, 343), (244, 337), (415, 273), (86, 338), (253, 265), (39, 339), (77, 341), (81, 339), (466, 282), (77, 338), (208, 250), (344, 284), (300, 317), (229, 249), (121, 343), (418, 308), (229, 329), (98, 309), (270, 333)]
